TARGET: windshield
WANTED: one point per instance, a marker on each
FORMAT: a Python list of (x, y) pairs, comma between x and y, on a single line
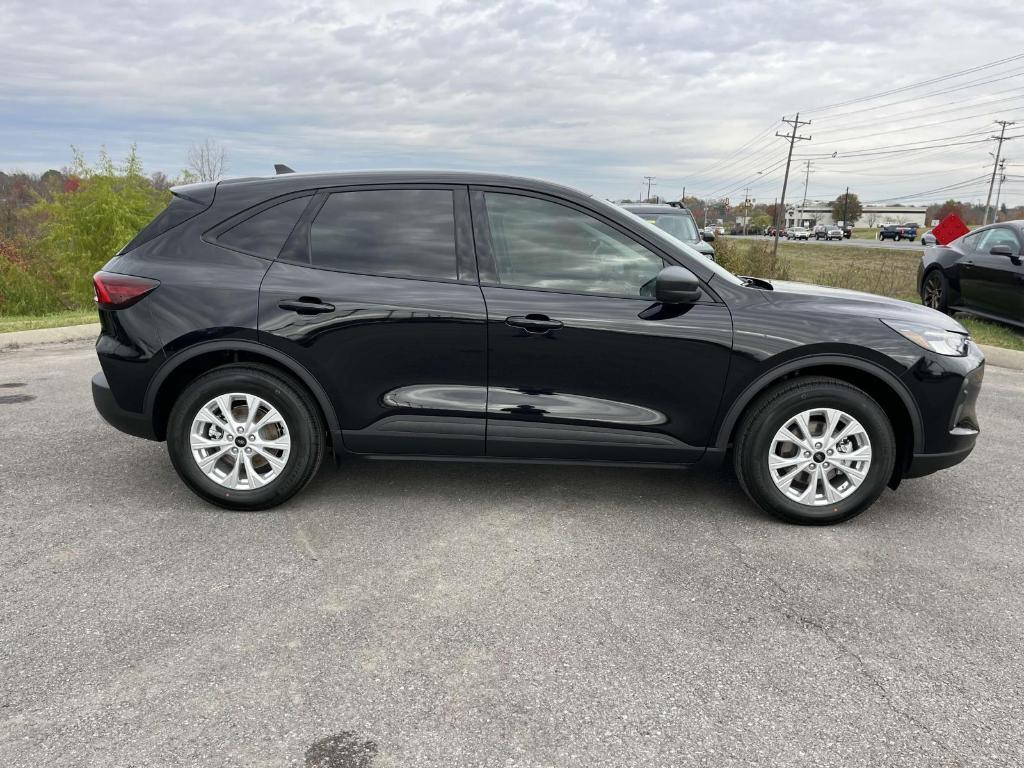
[(714, 266), (679, 225)]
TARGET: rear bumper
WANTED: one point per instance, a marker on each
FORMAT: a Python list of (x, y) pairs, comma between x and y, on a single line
[(128, 422)]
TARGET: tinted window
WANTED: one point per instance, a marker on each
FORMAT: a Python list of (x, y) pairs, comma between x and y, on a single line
[(970, 241), (539, 244), (178, 211), (404, 232), (264, 234)]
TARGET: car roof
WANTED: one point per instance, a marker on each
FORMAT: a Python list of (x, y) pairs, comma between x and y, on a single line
[(288, 182)]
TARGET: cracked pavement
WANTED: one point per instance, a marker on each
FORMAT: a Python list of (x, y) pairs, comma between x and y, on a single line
[(400, 614)]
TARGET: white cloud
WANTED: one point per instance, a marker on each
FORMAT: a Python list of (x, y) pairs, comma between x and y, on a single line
[(594, 94)]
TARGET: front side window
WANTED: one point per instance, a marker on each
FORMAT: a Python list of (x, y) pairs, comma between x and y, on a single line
[(999, 236), (265, 233), (544, 245), (400, 232)]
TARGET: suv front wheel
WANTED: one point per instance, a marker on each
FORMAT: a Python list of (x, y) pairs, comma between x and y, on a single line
[(245, 437), (815, 451)]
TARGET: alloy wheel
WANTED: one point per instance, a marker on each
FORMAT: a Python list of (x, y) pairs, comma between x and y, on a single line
[(819, 456), (933, 291), (240, 441)]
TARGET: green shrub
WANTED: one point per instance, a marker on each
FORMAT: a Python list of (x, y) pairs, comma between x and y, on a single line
[(79, 230)]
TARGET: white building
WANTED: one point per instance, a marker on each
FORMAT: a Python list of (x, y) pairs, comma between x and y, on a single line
[(873, 215)]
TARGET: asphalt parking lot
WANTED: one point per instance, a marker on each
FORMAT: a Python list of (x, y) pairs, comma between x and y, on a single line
[(408, 614)]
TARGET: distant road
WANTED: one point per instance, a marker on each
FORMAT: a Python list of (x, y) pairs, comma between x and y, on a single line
[(903, 245)]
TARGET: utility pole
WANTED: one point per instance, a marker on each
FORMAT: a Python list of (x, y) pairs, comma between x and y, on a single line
[(649, 180), (995, 165), (792, 138), (746, 199), (846, 208), (807, 178), (999, 189)]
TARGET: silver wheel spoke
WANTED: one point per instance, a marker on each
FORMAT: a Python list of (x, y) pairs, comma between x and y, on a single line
[(806, 450), (221, 446)]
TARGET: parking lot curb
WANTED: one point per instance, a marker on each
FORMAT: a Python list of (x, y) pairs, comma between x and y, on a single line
[(1003, 358), (16, 339)]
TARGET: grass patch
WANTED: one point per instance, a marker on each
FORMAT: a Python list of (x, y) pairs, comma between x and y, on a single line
[(993, 334), (886, 272), (56, 320)]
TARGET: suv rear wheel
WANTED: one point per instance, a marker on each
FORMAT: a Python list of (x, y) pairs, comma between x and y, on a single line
[(815, 451), (245, 437)]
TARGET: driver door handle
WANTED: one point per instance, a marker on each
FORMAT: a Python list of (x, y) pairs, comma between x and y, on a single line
[(306, 306), (534, 323)]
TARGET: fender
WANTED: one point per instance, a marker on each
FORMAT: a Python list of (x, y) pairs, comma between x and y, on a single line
[(242, 345), (768, 378)]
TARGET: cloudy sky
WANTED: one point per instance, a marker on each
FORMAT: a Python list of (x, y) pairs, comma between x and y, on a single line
[(593, 94)]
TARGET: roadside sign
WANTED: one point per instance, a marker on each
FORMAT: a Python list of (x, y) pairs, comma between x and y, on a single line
[(949, 229)]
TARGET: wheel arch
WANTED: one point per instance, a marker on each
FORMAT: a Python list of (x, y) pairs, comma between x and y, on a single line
[(185, 366), (890, 393)]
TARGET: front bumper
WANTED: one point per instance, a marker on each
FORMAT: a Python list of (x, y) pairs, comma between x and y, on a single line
[(950, 436), (131, 423)]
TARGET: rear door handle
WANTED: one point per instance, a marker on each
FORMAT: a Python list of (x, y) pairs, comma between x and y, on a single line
[(306, 305), (534, 323)]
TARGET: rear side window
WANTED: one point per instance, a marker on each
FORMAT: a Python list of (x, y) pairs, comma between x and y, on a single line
[(403, 232), (265, 233), (178, 211)]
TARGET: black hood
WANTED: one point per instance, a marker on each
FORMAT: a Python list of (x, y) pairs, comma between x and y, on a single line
[(841, 301)]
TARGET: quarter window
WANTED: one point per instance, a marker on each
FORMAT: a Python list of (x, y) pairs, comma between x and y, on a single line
[(265, 233), (540, 244), (403, 232)]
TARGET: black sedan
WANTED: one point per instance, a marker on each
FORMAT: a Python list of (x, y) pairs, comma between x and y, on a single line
[(980, 273)]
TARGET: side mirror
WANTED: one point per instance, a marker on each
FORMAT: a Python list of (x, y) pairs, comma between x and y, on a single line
[(677, 285), (707, 237), (1002, 250)]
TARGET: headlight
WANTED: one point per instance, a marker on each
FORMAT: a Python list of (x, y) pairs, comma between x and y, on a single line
[(929, 337)]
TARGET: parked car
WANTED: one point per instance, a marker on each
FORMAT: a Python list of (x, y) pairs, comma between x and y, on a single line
[(719, 230), (848, 231), (798, 233), (819, 231), (928, 238), (889, 232), (907, 232), (827, 232), (678, 222), (980, 273), (259, 324)]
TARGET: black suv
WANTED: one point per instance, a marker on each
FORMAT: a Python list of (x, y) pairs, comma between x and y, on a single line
[(258, 324), (677, 221)]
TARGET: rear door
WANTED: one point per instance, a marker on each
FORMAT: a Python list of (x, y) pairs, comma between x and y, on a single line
[(376, 294), (583, 364)]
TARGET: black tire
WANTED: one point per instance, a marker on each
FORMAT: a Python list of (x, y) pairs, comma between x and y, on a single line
[(293, 402), (935, 290), (769, 413)]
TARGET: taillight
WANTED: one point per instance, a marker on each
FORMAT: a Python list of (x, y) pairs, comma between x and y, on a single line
[(115, 291)]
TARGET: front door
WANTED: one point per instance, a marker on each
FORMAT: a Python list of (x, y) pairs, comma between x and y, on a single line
[(376, 294), (582, 363), (992, 282)]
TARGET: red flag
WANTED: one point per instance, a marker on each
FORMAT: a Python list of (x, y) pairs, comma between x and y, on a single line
[(949, 229)]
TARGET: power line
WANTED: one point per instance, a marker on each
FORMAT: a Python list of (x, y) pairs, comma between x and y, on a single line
[(919, 84)]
